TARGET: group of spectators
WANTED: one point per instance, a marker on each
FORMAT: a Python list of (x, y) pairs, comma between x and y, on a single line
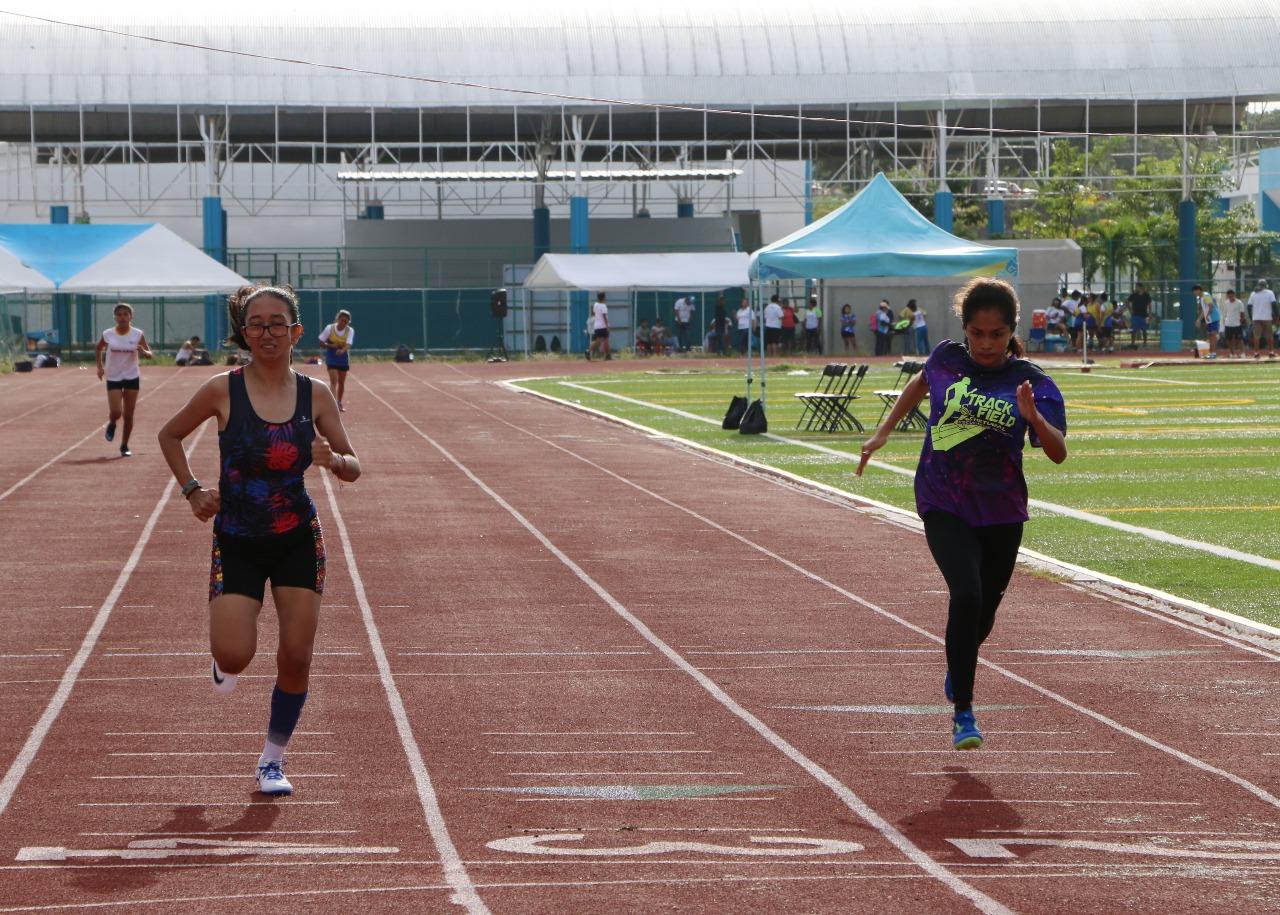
[(1092, 320)]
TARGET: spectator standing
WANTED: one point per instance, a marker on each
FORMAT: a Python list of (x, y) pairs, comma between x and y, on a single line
[(788, 327), (744, 326), (1233, 320), (684, 314), (722, 326), (772, 326), (848, 329), (1054, 317), (884, 324), (599, 328), (1139, 312), (1262, 303), (1208, 317), (920, 328), (813, 327)]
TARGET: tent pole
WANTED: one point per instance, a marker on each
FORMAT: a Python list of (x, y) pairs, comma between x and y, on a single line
[(750, 317), (760, 301)]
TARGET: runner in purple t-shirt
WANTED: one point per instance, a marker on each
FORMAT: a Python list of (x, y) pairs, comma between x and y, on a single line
[(985, 399)]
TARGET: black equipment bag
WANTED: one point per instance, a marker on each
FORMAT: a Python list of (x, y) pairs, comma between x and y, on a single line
[(737, 407), (754, 421), (25, 365)]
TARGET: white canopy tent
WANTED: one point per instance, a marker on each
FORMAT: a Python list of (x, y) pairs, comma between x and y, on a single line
[(696, 272), (686, 272)]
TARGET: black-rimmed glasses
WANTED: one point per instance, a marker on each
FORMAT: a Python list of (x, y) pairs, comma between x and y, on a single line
[(254, 331)]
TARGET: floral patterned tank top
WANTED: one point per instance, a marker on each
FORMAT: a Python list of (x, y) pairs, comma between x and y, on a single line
[(261, 485)]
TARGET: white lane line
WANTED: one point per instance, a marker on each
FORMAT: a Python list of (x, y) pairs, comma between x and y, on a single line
[(682, 800), (891, 833), (64, 452), (930, 651), (18, 768), (130, 778), (118, 653), (588, 733), (591, 752), (1054, 772), (292, 753), (1066, 802), (455, 872), (1052, 507), (209, 733), (189, 802), (934, 732), (620, 773), (266, 834), (48, 403), (995, 752), (19, 657), (513, 654), (1257, 791)]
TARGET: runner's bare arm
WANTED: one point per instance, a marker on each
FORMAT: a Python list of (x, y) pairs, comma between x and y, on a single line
[(1052, 442), (332, 448), (212, 400)]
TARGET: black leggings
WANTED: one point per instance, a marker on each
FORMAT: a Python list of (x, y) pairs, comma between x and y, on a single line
[(977, 563)]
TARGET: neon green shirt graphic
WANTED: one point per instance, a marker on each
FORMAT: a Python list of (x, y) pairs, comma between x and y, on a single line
[(967, 413)]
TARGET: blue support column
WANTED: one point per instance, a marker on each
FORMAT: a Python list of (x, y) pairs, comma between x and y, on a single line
[(84, 319), (942, 201), (374, 210), (579, 243), (995, 217), (215, 245), (684, 209), (808, 191), (1188, 251), (541, 232), (1269, 180), (60, 216)]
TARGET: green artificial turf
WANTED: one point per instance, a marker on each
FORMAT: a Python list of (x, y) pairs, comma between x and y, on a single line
[(1188, 450)]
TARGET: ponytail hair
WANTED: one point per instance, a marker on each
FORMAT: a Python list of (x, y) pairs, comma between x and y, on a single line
[(985, 292), (238, 307)]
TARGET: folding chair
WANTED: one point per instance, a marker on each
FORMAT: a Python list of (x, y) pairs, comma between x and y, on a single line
[(914, 419), (834, 408), (830, 377)]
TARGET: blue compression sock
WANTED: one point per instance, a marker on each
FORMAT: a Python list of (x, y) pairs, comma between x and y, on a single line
[(286, 709)]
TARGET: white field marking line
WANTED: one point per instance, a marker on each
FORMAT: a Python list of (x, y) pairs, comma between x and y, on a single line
[(1144, 379), (72, 447), (586, 800), (1066, 802), (934, 732), (47, 403), (931, 651), (1173, 605), (130, 778), (952, 753), (1064, 510), (859, 807), (26, 755), (1262, 794), (455, 872)]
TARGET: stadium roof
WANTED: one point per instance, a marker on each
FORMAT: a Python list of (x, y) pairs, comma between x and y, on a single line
[(712, 53)]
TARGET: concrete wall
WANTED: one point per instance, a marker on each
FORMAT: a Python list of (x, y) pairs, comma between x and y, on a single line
[(401, 253)]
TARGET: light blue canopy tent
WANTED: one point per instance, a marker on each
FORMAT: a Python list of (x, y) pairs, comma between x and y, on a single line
[(877, 233)]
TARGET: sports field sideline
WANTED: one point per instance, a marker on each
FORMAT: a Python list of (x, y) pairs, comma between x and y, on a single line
[(567, 665)]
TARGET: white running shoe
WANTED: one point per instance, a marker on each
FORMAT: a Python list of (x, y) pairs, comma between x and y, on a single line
[(222, 683), (271, 779)]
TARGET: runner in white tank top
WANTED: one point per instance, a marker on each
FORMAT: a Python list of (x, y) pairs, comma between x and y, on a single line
[(122, 345)]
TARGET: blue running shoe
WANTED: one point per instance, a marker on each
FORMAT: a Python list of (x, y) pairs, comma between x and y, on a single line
[(271, 779), (946, 688), (111, 431), (964, 731)]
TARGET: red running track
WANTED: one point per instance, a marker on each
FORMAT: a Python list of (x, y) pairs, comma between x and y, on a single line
[(565, 666)]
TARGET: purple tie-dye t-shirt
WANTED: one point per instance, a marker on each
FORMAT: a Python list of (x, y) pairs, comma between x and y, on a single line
[(971, 462)]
